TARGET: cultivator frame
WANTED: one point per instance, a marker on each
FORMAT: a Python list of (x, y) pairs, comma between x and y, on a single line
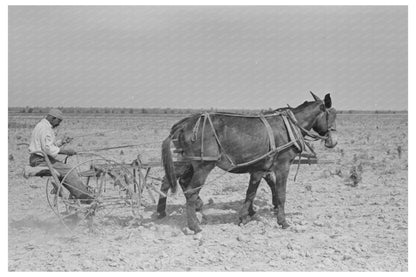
[(115, 189)]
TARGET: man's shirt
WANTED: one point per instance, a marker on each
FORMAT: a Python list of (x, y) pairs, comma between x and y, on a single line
[(43, 138)]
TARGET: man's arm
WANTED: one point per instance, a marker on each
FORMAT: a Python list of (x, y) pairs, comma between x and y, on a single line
[(49, 146)]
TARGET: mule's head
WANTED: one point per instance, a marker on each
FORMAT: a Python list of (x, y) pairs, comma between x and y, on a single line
[(325, 124)]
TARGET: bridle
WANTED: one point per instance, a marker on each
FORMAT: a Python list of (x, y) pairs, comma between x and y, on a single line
[(312, 135)]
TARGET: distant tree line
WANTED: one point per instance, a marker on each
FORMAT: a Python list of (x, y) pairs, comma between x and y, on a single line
[(127, 111), (108, 110)]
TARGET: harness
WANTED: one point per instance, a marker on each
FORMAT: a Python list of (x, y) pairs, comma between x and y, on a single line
[(293, 128)]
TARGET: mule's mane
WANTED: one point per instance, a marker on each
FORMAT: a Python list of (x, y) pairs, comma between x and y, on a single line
[(300, 107), (303, 105)]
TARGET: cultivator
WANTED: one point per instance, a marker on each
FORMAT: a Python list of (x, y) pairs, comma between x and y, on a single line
[(116, 189)]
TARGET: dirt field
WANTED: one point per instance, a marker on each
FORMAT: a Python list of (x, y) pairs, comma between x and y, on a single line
[(335, 225)]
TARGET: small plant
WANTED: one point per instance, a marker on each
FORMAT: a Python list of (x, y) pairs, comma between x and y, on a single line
[(399, 151), (355, 158), (338, 172), (355, 177), (360, 168)]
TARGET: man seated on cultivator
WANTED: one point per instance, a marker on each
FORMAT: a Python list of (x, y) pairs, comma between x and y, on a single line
[(43, 139)]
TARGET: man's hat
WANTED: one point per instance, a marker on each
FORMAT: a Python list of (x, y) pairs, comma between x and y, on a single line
[(56, 113)]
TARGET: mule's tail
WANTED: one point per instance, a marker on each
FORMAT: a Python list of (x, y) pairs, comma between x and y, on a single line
[(167, 162)]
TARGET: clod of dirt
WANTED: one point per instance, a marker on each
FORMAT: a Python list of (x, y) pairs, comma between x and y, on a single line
[(198, 236), (242, 238), (299, 228), (11, 158), (326, 173), (319, 223)]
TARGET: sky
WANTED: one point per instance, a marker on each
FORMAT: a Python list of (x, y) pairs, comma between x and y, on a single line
[(226, 57)]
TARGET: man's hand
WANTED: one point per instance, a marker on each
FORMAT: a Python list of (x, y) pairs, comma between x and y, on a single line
[(66, 140)]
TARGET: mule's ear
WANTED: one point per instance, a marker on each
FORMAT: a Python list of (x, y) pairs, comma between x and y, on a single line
[(328, 101), (315, 97)]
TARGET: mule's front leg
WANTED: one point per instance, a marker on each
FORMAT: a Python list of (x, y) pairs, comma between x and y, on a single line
[(247, 209), (271, 181), (281, 179)]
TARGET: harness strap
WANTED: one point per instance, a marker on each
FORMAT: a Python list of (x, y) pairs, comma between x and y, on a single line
[(294, 130), (202, 135), (297, 131), (271, 152), (218, 140), (269, 132), (292, 137)]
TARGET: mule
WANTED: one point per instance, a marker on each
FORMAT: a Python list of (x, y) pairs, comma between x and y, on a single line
[(263, 146)]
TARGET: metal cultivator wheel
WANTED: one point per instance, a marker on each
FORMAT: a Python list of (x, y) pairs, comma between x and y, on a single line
[(114, 192)]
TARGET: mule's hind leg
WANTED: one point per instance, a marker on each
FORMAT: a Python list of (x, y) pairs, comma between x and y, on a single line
[(161, 205), (184, 173), (201, 171), (184, 181), (247, 209)]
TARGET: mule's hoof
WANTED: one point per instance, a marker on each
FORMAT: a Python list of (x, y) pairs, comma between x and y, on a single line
[(161, 215), (284, 225), (243, 220), (196, 229)]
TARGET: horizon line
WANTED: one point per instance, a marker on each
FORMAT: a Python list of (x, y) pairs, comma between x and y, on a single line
[(211, 108)]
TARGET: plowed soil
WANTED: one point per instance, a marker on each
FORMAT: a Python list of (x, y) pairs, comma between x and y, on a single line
[(336, 224)]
